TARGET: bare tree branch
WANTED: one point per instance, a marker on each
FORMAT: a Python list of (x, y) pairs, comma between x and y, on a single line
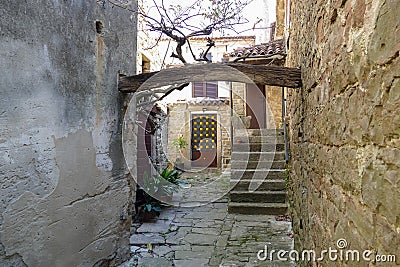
[(198, 18)]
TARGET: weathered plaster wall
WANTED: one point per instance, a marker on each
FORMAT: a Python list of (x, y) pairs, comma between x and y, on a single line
[(64, 194), (345, 127), (179, 125)]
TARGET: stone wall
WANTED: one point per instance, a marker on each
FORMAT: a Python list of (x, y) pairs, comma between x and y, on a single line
[(160, 139), (280, 18), (345, 125), (273, 96), (238, 98), (179, 125), (64, 193)]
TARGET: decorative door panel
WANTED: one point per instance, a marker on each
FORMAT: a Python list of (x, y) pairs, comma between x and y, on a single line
[(204, 140)]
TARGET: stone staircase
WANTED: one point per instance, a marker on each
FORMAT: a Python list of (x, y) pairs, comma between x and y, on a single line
[(258, 159)]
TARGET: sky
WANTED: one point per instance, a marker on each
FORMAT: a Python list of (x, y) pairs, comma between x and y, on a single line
[(264, 9), (261, 9)]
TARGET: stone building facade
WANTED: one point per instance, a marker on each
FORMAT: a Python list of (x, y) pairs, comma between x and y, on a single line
[(65, 193), (148, 58), (271, 53), (179, 125), (345, 125)]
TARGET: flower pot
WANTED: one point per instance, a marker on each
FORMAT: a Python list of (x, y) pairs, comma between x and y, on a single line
[(148, 216)]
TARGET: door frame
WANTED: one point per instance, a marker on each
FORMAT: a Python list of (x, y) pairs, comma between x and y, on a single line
[(219, 148)]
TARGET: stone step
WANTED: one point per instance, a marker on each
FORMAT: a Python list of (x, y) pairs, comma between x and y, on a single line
[(258, 139), (260, 156), (243, 164), (258, 196), (258, 208), (258, 147), (259, 132), (264, 185), (271, 174)]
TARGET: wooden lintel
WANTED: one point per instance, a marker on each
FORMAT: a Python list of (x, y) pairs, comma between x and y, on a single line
[(235, 72)]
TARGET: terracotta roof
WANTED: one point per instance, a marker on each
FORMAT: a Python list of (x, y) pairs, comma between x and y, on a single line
[(276, 47)]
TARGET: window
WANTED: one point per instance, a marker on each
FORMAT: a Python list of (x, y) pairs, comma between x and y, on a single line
[(145, 64), (205, 89)]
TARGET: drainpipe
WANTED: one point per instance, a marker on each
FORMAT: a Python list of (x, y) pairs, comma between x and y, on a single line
[(231, 104), (285, 135)]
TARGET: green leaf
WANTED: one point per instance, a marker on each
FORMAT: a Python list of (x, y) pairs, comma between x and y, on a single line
[(148, 207), (158, 209)]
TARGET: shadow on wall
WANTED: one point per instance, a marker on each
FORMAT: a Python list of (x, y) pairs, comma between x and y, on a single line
[(76, 219)]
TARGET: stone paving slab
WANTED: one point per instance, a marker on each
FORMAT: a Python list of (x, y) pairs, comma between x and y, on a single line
[(162, 251), (200, 239), (191, 263), (188, 254), (144, 239), (155, 227), (207, 236), (155, 262)]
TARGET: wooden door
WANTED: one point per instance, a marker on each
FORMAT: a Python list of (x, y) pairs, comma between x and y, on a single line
[(255, 106), (204, 140), (144, 147)]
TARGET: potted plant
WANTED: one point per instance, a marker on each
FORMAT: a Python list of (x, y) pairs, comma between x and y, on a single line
[(180, 144), (147, 206), (150, 209), (162, 186), (171, 176), (170, 184), (157, 191)]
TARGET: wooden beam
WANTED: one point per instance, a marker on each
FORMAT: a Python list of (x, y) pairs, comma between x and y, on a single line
[(235, 72)]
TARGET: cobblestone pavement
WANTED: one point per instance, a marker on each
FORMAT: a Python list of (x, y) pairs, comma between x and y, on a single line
[(198, 233)]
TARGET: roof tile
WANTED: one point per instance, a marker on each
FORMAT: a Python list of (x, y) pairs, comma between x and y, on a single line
[(276, 47)]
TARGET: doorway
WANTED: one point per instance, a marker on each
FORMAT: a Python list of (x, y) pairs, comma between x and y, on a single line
[(256, 105), (204, 140)]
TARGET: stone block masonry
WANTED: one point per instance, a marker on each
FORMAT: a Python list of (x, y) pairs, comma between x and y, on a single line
[(273, 96), (238, 98), (345, 125), (179, 123), (65, 197)]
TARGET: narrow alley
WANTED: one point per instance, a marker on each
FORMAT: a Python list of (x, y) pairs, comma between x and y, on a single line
[(202, 233), (215, 133)]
